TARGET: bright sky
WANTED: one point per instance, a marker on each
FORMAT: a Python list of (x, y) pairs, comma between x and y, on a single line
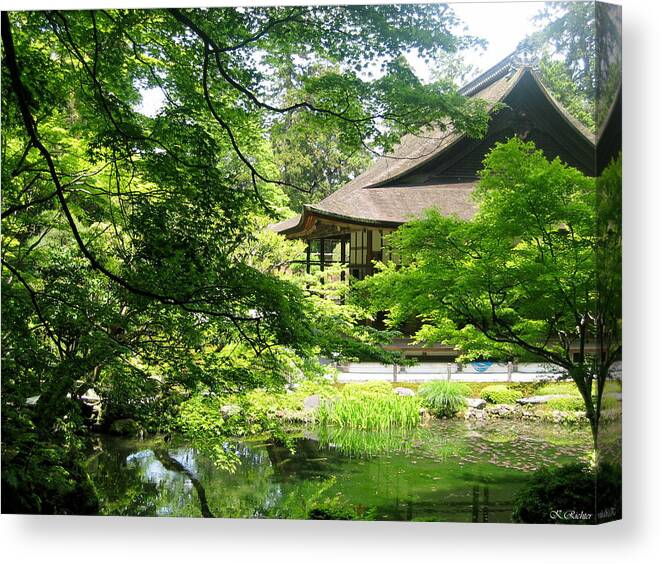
[(502, 24)]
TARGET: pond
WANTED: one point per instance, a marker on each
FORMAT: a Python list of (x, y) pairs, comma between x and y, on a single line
[(450, 470)]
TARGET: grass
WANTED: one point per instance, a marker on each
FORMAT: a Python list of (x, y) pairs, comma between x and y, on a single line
[(444, 398), (370, 406), (569, 387), (553, 388)]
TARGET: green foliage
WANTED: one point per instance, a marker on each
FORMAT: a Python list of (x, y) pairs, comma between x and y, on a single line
[(444, 398), (375, 387), (520, 278), (580, 57), (317, 501), (571, 34), (575, 403), (499, 393), (201, 416), (370, 406), (561, 495), (130, 263), (127, 393), (44, 474), (319, 163), (254, 412), (556, 76)]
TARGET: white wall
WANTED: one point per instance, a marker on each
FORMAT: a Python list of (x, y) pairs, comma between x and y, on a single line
[(470, 372)]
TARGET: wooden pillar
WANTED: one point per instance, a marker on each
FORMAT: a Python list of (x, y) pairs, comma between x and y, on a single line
[(343, 257), (368, 254), (307, 256), (322, 256)]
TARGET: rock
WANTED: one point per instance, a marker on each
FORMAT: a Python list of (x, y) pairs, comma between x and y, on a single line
[(500, 410), (473, 413), (475, 403), (404, 391), (312, 402), (424, 413), (540, 399), (310, 435), (230, 410), (125, 428)]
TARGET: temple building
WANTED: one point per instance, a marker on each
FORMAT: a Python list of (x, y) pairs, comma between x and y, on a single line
[(437, 169)]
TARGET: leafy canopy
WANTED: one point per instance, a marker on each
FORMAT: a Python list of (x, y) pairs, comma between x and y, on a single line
[(520, 278), (130, 262)]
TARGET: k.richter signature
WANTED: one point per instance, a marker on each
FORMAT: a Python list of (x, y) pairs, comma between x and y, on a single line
[(570, 514), (573, 515)]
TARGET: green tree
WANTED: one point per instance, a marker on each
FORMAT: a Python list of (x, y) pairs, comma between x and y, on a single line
[(565, 48), (124, 235), (569, 34), (521, 277), (313, 164), (557, 78)]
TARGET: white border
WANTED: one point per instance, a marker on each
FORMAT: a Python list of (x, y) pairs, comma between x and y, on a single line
[(635, 539)]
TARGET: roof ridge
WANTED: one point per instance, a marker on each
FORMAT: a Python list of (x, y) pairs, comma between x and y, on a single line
[(497, 71)]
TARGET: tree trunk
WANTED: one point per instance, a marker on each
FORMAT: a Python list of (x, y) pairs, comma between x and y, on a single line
[(582, 377)]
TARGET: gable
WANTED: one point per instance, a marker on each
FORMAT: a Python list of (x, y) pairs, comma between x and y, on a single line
[(531, 114)]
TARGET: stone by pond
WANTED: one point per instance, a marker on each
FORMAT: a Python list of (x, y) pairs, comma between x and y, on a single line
[(475, 403), (450, 470)]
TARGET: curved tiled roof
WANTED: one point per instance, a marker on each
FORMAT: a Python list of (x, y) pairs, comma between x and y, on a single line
[(365, 200), (398, 204)]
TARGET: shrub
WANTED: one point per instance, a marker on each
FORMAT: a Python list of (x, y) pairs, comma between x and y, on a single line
[(444, 398), (568, 495), (323, 388), (567, 404), (376, 387), (499, 393)]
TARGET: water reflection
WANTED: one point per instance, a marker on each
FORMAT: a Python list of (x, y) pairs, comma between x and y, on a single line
[(450, 471)]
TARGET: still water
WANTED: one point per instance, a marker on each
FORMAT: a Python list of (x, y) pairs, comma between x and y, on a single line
[(448, 471)]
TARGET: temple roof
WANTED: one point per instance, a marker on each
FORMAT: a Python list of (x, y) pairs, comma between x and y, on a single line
[(385, 193)]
